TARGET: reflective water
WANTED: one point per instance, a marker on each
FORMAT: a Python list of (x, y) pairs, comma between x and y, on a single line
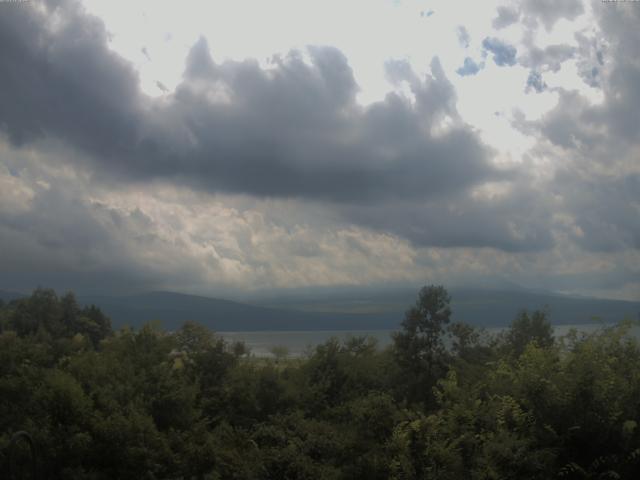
[(297, 343)]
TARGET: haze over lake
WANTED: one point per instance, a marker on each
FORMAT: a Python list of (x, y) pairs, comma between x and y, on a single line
[(300, 343)]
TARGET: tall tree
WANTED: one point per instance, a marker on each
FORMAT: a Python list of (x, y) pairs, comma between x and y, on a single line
[(528, 328), (419, 347)]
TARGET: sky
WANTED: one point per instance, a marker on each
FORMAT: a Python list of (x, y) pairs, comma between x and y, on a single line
[(221, 148)]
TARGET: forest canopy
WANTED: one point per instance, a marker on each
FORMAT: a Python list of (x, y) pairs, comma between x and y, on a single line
[(445, 400)]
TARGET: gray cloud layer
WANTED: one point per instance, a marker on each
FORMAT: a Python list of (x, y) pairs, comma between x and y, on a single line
[(599, 143), (291, 131), (294, 130), (506, 16), (63, 81), (407, 165), (547, 12)]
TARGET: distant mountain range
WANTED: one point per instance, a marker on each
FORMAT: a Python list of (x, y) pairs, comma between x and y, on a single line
[(343, 311), (7, 296), (172, 309), (487, 307)]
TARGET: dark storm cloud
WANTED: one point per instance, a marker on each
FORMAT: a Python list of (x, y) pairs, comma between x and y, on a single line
[(517, 222), (571, 124), (606, 210), (62, 238), (503, 53), (64, 81), (293, 130), (296, 131)]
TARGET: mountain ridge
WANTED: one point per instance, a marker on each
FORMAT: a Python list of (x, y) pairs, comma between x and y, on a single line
[(361, 311), (480, 307)]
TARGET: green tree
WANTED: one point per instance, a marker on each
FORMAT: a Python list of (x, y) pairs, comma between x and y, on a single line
[(419, 348), (279, 352), (528, 328)]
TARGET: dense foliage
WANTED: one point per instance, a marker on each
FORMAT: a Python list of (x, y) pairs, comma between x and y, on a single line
[(445, 401)]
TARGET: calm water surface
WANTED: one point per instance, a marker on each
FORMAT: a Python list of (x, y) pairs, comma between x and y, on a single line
[(298, 343)]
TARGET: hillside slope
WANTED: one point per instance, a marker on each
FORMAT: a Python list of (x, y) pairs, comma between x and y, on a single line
[(476, 306)]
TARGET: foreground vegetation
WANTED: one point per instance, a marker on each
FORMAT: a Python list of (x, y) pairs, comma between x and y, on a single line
[(444, 401)]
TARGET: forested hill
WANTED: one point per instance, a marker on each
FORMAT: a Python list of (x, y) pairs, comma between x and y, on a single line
[(443, 400), (173, 309), (347, 310), (474, 306)]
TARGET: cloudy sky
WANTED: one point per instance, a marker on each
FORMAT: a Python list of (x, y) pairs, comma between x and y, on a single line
[(225, 147)]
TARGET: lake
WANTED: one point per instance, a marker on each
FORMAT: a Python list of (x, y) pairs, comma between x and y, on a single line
[(298, 342)]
